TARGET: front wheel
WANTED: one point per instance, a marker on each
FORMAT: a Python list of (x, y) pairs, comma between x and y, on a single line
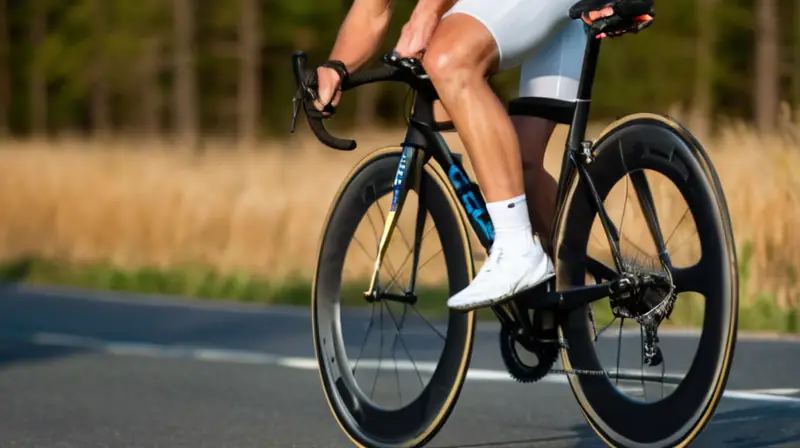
[(645, 158), (386, 413)]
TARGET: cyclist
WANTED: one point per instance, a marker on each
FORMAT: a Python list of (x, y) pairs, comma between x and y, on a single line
[(461, 43)]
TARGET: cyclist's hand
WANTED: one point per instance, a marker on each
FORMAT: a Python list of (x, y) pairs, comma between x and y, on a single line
[(632, 16), (416, 34), (328, 88), (638, 23)]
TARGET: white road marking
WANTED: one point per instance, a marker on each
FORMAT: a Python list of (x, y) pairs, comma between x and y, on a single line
[(172, 301), (776, 395)]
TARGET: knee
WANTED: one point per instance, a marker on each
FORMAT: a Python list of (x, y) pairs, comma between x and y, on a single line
[(439, 63), (451, 65)]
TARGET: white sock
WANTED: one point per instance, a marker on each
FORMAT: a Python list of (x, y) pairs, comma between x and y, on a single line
[(512, 226)]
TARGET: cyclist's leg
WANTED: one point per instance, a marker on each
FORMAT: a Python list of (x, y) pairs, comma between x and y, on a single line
[(540, 186), (475, 39), (553, 72)]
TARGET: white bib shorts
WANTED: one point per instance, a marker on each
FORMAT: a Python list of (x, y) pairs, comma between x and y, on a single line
[(540, 36)]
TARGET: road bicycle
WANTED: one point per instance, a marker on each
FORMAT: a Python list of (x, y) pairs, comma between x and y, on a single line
[(555, 318)]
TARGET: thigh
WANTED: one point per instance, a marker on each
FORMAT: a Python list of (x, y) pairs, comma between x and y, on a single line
[(554, 70), (520, 28)]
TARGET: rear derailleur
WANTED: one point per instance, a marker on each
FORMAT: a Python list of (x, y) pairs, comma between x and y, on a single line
[(648, 299)]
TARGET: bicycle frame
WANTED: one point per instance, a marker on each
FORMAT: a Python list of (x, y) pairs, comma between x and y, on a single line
[(423, 137)]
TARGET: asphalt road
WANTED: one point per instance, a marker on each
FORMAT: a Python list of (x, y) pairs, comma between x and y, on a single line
[(80, 369)]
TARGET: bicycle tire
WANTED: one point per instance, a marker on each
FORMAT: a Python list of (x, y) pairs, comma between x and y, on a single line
[(655, 142), (417, 423)]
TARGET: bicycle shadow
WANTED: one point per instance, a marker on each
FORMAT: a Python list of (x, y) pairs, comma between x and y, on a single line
[(13, 352), (752, 427), (19, 349), (580, 436), (768, 425)]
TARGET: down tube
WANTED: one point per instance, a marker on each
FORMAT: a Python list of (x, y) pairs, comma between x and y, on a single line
[(468, 193)]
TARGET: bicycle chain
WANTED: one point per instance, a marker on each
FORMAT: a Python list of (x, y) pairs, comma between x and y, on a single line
[(580, 372), (563, 345)]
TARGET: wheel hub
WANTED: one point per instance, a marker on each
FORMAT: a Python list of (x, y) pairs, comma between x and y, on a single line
[(648, 299), (638, 295)]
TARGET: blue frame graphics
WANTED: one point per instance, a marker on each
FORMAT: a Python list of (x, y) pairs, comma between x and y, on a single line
[(401, 175), (474, 208)]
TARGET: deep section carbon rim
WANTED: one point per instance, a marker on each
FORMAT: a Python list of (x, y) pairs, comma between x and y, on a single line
[(633, 148), (340, 341)]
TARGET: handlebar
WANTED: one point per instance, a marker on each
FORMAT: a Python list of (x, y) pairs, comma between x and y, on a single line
[(405, 70)]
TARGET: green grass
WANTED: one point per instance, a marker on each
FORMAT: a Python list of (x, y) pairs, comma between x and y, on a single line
[(202, 283)]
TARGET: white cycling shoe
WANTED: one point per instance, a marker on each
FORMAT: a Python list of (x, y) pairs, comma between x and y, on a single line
[(505, 273)]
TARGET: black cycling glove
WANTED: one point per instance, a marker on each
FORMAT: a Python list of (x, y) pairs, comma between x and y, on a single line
[(629, 15), (311, 82)]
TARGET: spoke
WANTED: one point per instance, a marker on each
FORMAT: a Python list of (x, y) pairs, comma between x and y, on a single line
[(428, 323), (364, 249), (624, 204), (430, 258), (380, 357), (394, 347), (405, 260), (619, 348), (663, 372), (669, 238), (677, 249), (645, 195), (366, 334), (403, 343), (603, 330), (641, 361), (374, 231), (642, 188)]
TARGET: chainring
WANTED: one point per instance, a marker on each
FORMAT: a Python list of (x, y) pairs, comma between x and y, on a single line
[(546, 355)]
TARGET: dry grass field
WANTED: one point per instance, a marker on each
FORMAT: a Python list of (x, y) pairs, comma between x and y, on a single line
[(134, 204)]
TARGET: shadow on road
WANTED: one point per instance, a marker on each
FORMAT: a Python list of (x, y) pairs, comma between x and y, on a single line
[(752, 427), (24, 317), (581, 436), (20, 352), (757, 426)]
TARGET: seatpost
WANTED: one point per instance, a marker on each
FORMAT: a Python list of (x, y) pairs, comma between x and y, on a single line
[(577, 131)]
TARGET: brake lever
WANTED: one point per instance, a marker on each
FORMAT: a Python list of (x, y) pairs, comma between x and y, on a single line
[(296, 110), (300, 97)]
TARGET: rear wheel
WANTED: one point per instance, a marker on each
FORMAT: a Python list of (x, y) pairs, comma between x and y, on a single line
[(637, 151), (372, 412)]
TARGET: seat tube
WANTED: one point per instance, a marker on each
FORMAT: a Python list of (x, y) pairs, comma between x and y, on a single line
[(580, 119)]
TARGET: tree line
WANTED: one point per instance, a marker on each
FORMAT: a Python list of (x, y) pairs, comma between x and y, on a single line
[(191, 68)]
